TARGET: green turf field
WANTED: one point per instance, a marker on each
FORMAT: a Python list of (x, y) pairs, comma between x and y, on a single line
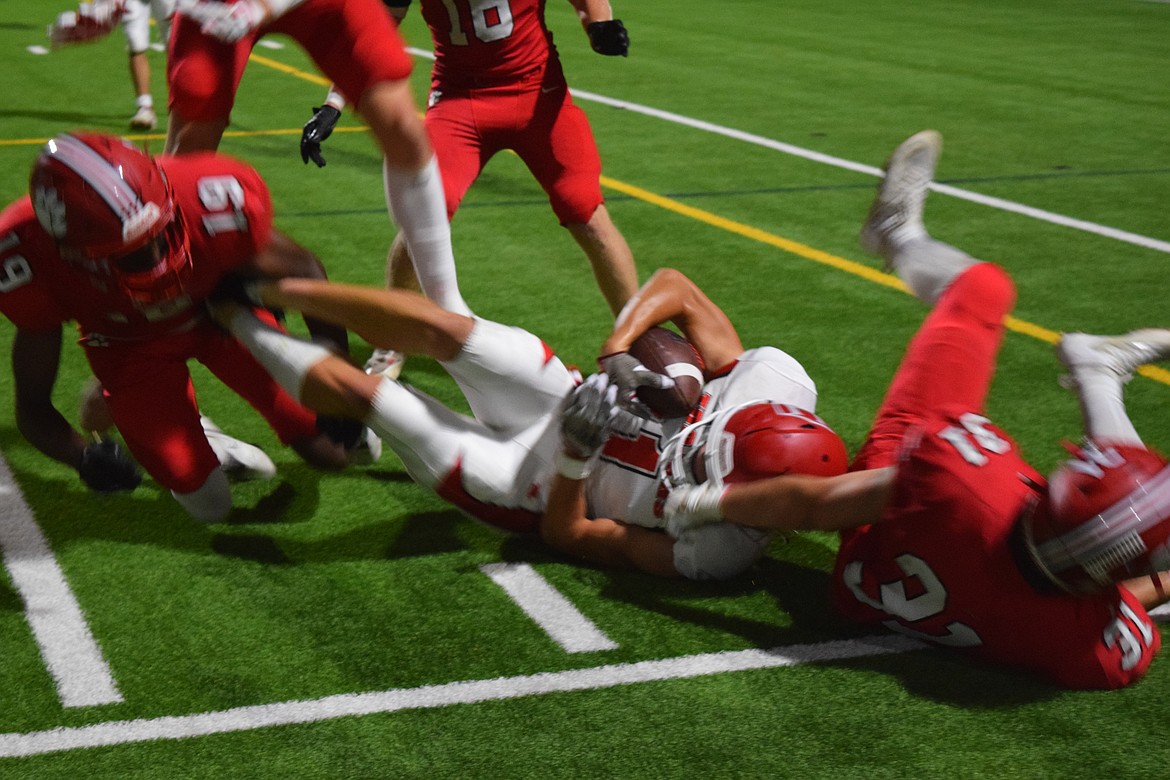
[(352, 626)]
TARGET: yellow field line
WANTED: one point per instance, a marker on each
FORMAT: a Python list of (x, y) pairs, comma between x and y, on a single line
[(792, 247)]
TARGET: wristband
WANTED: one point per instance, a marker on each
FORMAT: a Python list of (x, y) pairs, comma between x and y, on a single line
[(1156, 581), (572, 468)]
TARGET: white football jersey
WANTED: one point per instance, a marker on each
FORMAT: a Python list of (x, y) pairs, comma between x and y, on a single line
[(624, 485)]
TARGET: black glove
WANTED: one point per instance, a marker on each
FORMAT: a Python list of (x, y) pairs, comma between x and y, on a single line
[(317, 130), (107, 468), (342, 430), (237, 289), (609, 38)]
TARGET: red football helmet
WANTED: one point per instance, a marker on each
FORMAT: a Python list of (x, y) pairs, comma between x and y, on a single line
[(110, 208), (1103, 519), (752, 441)]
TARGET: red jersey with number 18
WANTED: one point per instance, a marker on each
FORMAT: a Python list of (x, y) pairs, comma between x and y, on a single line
[(940, 566), (484, 42)]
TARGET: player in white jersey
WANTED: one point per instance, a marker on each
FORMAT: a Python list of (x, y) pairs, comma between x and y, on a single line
[(541, 453), (96, 19)]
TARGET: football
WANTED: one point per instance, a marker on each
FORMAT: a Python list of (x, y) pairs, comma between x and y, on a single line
[(665, 352)]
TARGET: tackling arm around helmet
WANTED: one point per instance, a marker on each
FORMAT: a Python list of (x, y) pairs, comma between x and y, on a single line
[(792, 502)]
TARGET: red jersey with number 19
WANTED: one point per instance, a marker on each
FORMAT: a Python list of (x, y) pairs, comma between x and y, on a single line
[(940, 566), (227, 215)]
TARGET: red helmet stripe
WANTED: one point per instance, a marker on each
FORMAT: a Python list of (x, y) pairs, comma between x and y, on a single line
[(98, 173), (1146, 506)]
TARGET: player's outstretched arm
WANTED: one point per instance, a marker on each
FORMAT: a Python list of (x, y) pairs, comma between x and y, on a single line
[(102, 464), (790, 502)]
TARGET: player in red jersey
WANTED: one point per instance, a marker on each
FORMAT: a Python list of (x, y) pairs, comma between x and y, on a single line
[(356, 44), (948, 535), (128, 247), (497, 84)]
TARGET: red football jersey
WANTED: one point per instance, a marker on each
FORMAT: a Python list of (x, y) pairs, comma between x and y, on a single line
[(480, 43), (227, 212), (939, 566)]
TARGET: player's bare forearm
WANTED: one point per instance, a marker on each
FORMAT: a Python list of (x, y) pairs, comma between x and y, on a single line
[(592, 11), (35, 359), (1151, 591), (670, 296), (602, 541), (803, 503)]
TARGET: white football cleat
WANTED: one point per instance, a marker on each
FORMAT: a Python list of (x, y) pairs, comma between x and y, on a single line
[(386, 362), (1116, 355), (238, 459), (368, 449), (896, 213), (143, 119)]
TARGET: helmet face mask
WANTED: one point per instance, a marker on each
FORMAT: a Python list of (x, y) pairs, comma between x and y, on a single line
[(749, 442), (1104, 519), (110, 208)]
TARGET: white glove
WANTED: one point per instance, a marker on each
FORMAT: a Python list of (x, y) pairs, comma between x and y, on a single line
[(628, 373), (228, 22), (88, 23), (691, 506)]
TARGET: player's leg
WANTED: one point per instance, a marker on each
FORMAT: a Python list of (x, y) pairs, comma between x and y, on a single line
[(460, 157), (509, 377), (238, 459), (136, 26), (399, 276), (432, 441), (609, 255), (294, 425), (152, 402), (894, 228), (951, 359), (1099, 367), (357, 45), (558, 147), (202, 74)]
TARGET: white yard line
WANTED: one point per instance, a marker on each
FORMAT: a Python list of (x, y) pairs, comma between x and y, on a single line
[(68, 648), (837, 162), (436, 696), (548, 608)]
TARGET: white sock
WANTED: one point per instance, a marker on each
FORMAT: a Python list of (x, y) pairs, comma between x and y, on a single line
[(418, 205), (211, 501), (928, 266), (145, 101), (1102, 398), (288, 359)]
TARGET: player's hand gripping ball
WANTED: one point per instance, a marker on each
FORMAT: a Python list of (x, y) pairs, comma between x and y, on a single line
[(666, 353)]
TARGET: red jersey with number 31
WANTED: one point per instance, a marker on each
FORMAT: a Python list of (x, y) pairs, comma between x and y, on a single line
[(939, 566)]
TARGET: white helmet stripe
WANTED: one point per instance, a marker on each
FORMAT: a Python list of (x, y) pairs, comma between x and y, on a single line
[(1147, 506), (98, 173)]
